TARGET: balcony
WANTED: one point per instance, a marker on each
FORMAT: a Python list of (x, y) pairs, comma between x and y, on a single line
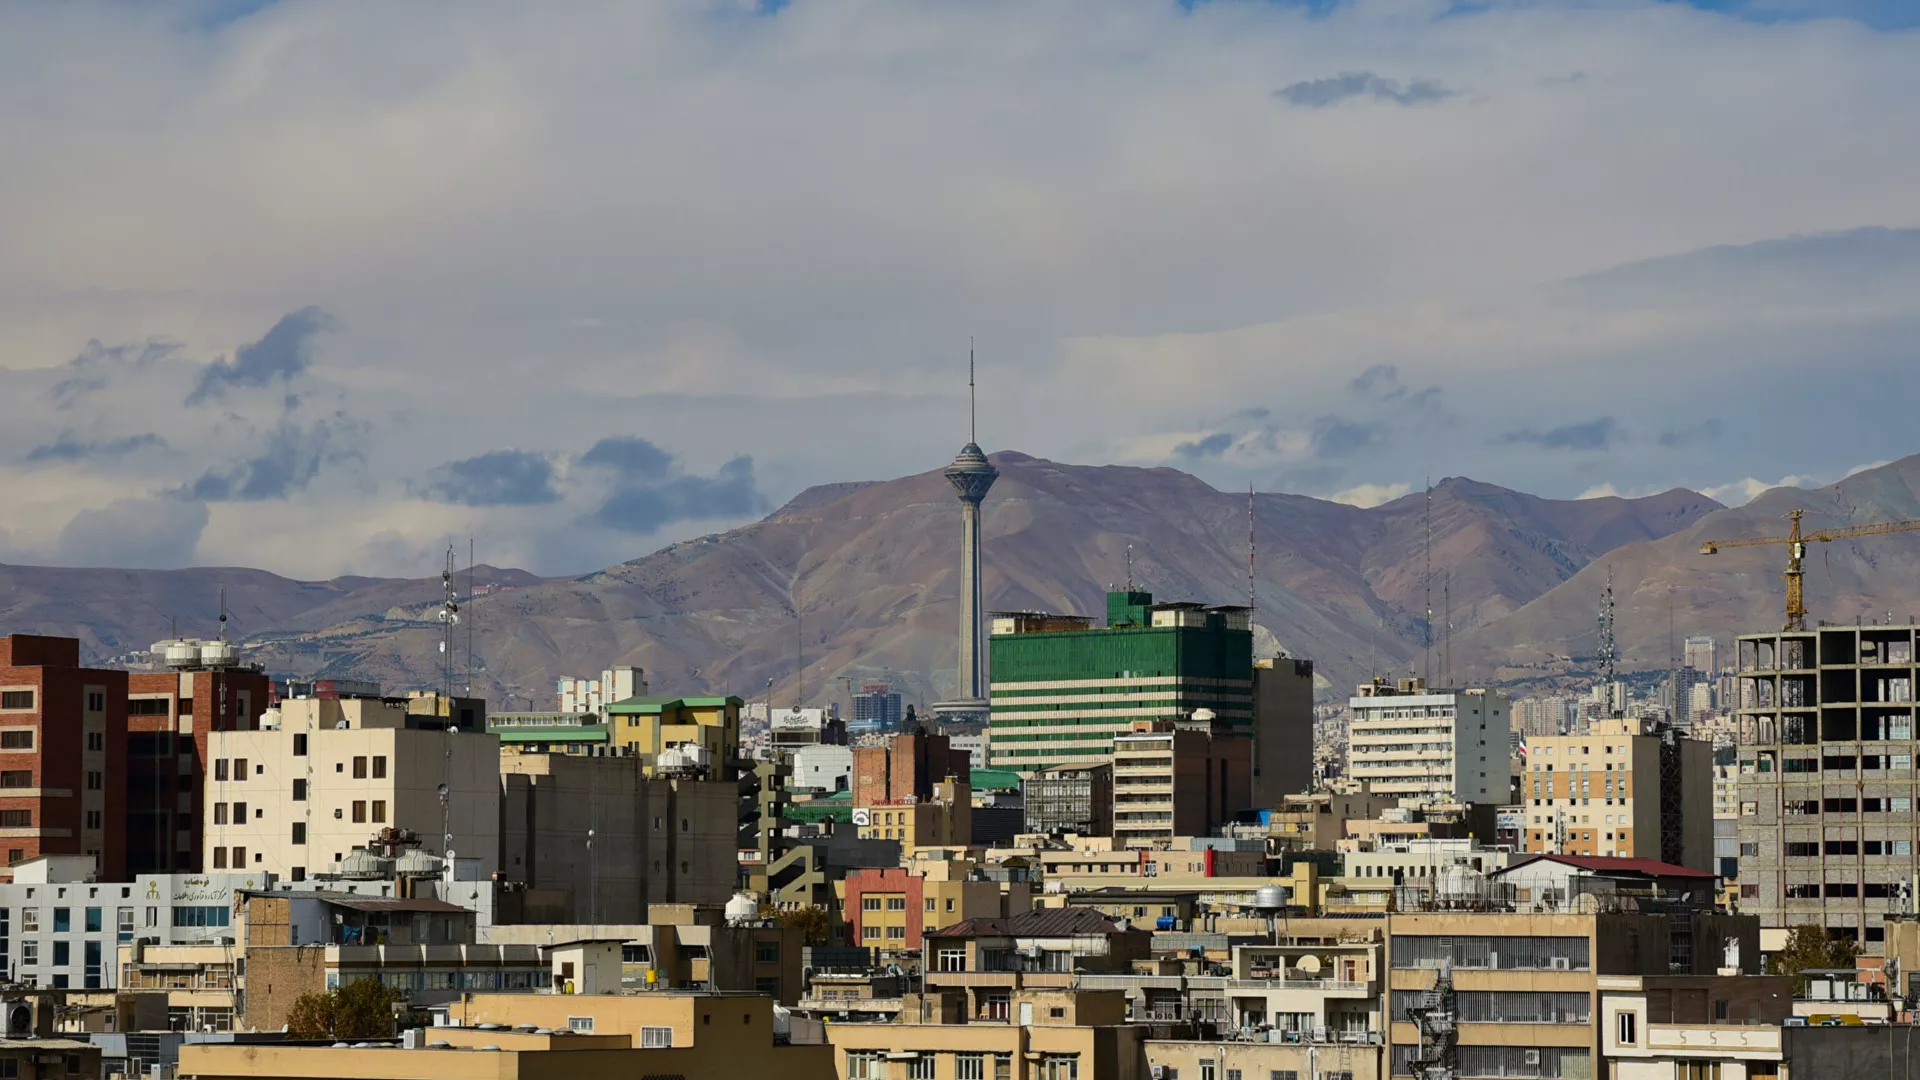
[(1742, 1040)]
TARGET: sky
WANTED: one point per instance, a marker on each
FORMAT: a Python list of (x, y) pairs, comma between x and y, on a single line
[(321, 287)]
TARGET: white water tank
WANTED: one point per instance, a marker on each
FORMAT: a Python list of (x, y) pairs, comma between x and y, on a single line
[(743, 907), (180, 654), (1269, 898), (218, 654), (270, 719)]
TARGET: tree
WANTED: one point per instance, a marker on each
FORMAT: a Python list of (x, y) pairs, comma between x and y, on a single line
[(810, 921), (1809, 948), (311, 1016), (363, 1009)]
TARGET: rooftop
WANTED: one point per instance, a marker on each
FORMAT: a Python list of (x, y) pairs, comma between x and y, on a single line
[(657, 703), (1602, 864), (1053, 922)]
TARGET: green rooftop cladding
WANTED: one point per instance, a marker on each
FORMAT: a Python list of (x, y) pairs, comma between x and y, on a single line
[(586, 733), (1128, 647), (993, 780), (655, 705), (1059, 696)]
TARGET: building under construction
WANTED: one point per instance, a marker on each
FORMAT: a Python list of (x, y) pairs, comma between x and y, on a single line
[(1826, 785)]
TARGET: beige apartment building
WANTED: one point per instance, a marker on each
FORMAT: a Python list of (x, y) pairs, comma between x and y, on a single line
[(297, 797), (1619, 790), (1047, 1034), (1178, 779), (1526, 986)]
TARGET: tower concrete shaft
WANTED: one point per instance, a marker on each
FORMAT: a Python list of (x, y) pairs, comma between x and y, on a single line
[(971, 476)]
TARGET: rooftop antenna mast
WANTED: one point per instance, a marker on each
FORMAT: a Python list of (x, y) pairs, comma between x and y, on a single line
[(1252, 588), (1426, 627), (1609, 654), (469, 690), (973, 436), (1129, 567), (449, 618)]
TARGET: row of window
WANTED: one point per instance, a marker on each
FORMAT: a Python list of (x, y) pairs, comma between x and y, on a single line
[(364, 767), (873, 1065)]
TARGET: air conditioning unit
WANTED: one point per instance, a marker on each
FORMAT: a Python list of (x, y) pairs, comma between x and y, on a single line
[(23, 1017), (1562, 963), (1159, 1072), (1533, 1057)]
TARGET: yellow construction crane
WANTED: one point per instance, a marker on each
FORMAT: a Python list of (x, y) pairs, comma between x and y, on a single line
[(1797, 552)]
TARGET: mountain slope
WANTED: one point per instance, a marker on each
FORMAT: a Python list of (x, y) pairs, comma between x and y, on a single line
[(1736, 591), (872, 571)]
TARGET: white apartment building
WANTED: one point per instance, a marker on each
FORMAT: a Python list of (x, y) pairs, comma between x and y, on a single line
[(1421, 861), (614, 685), (1409, 742), (61, 929), (323, 777)]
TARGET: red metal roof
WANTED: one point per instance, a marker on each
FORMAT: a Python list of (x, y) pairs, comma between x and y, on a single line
[(1609, 864)]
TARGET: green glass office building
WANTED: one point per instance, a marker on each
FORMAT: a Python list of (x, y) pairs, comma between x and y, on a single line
[(1062, 688)]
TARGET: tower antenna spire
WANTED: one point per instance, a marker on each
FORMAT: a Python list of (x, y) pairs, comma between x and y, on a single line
[(973, 436)]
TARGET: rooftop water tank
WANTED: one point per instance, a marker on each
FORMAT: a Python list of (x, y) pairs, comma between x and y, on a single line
[(270, 720), (1269, 898), (743, 907), (417, 863), (180, 654), (361, 863), (219, 654)]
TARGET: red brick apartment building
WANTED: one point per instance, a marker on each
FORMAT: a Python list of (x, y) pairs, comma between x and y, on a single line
[(63, 738), (170, 714)]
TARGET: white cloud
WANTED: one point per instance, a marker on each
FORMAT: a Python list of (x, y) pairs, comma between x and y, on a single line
[(1600, 491), (1369, 495), (773, 236), (1744, 491)]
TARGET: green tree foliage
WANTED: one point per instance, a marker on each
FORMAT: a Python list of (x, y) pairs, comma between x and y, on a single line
[(363, 1009), (1809, 948), (810, 921)]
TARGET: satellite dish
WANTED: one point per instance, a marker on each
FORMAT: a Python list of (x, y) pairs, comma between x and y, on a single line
[(1309, 964)]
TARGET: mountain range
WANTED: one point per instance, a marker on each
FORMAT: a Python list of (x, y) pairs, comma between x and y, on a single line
[(859, 582)]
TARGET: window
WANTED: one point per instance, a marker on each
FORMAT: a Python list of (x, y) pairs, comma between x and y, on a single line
[(380, 767), (1624, 1032), (149, 707), (219, 858), (220, 768), (30, 952), (239, 813), (1059, 1067), (1206, 1069), (896, 933), (869, 933), (16, 819), (299, 832), (30, 920), (299, 791), (239, 768), (583, 1023), (93, 780), (93, 920), (213, 915), (299, 746), (124, 921), (379, 809), (62, 920), (969, 1067), (656, 1038), (360, 768), (1698, 1070), (62, 954), (16, 699), (239, 858), (948, 959), (921, 1068), (16, 778), (869, 903), (896, 903), (863, 1066), (766, 952), (16, 739), (1003, 1068), (360, 810), (1284, 1074)]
